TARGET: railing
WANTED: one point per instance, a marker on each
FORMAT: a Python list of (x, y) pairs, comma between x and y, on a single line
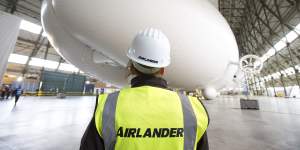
[(46, 93)]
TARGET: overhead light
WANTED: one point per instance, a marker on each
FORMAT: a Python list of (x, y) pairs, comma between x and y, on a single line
[(291, 36), (68, 67), (37, 62), (87, 82), (16, 58), (280, 45), (271, 52), (297, 28), (51, 64), (264, 58), (20, 79), (43, 63), (11, 76), (31, 27), (41, 84)]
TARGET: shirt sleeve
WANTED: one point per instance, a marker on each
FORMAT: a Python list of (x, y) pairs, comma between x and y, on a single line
[(203, 143), (91, 140)]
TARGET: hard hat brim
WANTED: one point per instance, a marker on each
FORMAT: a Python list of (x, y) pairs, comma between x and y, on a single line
[(146, 63)]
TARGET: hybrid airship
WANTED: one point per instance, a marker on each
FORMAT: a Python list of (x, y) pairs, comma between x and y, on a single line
[(95, 36)]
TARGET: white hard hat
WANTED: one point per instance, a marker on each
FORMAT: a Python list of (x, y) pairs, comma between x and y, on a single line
[(151, 48)]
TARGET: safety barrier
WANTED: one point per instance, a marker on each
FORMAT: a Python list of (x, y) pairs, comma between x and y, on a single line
[(45, 93)]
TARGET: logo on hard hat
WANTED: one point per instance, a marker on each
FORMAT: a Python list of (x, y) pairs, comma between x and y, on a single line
[(147, 59)]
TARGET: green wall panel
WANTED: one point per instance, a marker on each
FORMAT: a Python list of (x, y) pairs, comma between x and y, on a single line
[(62, 81)]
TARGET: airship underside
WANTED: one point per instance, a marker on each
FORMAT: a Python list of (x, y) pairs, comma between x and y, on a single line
[(95, 36)]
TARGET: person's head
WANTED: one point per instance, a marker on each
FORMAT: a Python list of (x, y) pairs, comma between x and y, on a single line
[(149, 53), (137, 69)]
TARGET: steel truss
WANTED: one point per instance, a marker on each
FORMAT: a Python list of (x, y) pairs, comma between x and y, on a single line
[(258, 25)]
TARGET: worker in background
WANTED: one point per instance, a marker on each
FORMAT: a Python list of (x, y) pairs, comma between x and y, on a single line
[(2, 91), (7, 91), (18, 92), (147, 116)]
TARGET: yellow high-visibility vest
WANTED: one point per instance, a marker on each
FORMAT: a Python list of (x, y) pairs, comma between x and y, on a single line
[(150, 118)]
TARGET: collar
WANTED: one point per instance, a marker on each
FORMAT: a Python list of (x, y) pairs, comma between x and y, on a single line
[(144, 80)]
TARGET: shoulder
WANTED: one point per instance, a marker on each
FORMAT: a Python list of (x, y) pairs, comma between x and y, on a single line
[(199, 110), (101, 99), (147, 88), (195, 102)]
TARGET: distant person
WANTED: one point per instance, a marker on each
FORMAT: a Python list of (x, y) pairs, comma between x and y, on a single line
[(2, 90), (97, 92), (7, 91), (37, 92), (18, 92), (102, 91), (147, 116)]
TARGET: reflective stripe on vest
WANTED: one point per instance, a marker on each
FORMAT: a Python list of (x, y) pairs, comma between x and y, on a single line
[(190, 123), (108, 121)]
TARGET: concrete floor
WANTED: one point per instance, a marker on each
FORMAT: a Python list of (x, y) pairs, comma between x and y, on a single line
[(48, 123), (276, 126)]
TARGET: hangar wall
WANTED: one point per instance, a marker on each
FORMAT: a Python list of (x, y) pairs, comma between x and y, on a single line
[(9, 31)]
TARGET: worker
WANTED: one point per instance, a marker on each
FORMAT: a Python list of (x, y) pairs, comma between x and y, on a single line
[(7, 91), (2, 91), (18, 92), (147, 116)]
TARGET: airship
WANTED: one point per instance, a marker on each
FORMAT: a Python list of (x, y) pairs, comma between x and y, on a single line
[(95, 36)]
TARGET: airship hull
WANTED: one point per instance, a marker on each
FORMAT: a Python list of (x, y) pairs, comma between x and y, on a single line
[(95, 36)]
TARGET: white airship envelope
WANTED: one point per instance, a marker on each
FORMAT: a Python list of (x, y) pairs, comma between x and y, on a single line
[(94, 35)]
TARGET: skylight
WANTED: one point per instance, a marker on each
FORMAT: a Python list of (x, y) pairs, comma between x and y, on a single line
[(51, 64), (38, 62), (291, 36), (67, 67), (31, 27), (282, 43), (297, 28), (16, 58)]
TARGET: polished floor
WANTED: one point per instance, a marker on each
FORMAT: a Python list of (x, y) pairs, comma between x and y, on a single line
[(276, 126), (47, 123)]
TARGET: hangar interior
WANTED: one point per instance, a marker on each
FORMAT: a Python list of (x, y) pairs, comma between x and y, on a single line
[(59, 98)]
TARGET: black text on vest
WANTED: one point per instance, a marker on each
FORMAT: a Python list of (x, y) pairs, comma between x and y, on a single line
[(150, 132)]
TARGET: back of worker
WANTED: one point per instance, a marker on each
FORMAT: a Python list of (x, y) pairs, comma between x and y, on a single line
[(147, 116)]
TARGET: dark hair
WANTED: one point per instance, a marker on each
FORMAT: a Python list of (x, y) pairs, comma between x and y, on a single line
[(133, 71)]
